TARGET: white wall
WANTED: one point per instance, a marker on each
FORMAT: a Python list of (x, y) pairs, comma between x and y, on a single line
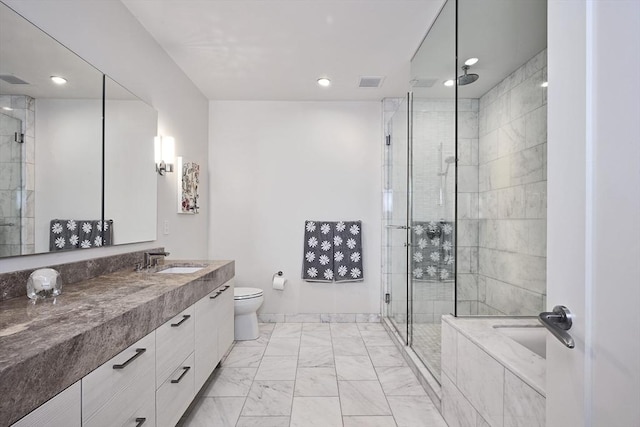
[(110, 38), (275, 164)]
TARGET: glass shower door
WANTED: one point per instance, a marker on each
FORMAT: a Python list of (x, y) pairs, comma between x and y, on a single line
[(10, 185), (397, 190)]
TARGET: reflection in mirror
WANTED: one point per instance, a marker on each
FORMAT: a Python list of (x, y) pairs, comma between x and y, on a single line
[(51, 146), (130, 177)]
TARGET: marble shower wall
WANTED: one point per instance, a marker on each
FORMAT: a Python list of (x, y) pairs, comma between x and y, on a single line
[(512, 183), (17, 178)]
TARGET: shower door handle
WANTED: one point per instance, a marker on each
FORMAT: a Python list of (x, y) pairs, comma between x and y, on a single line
[(558, 322), (399, 227)]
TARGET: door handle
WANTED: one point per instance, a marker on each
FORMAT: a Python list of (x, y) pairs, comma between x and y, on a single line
[(558, 322)]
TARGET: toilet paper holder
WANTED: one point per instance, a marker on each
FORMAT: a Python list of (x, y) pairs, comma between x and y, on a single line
[(279, 273)]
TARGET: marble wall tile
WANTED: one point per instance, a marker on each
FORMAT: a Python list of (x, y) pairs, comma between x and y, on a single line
[(316, 412), (536, 126), (511, 137), (488, 204), (464, 260), (527, 166), (527, 96), (456, 410), (536, 63), (519, 269), (512, 300), (467, 124), (497, 174), (481, 379), (412, 411), (488, 147), (302, 318), (464, 151), (537, 237), (399, 381), (449, 353), (338, 318), (368, 318), (474, 260), (467, 179), (270, 318), (523, 406), (468, 232), (536, 200), (316, 382), (511, 202), (362, 398), (467, 285), (269, 398)]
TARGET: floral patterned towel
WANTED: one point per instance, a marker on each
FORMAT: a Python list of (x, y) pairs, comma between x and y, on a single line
[(68, 234), (433, 250), (332, 251)]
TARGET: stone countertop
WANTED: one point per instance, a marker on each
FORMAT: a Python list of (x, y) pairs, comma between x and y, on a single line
[(521, 361), (46, 347)]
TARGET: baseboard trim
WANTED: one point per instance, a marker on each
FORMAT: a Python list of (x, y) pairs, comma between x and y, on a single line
[(320, 318)]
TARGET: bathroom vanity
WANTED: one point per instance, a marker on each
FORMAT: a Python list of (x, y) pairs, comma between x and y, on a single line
[(125, 348)]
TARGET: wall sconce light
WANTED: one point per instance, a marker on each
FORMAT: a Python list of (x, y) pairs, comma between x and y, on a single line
[(164, 153)]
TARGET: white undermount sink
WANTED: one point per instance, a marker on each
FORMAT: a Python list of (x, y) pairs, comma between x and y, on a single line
[(179, 270)]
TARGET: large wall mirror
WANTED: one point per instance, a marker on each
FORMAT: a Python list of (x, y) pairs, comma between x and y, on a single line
[(65, 182)]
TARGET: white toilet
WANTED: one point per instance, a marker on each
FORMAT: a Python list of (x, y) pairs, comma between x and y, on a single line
[(246, 302)]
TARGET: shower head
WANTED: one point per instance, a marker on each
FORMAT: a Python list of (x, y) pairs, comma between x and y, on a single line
[(466, 79)]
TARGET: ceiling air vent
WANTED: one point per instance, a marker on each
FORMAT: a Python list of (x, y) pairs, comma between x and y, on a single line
[(12, 79), (370, 81), (423, 82)]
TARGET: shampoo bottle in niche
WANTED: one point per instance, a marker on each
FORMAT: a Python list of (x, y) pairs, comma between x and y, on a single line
[(44, 283)]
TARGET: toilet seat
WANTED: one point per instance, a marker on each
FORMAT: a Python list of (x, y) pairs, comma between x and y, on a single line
[(246, 293)]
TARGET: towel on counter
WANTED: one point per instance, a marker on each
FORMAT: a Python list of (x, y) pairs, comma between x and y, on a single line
[(65, 234), (332, 251), (433, 250)]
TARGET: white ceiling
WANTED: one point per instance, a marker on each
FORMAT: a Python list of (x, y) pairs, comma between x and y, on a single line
[(277, 49)]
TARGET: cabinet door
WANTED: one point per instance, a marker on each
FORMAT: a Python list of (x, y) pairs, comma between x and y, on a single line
[(175, 394), (174, 342), (206, 336), (225, 320), (115, 392), (62, 410)]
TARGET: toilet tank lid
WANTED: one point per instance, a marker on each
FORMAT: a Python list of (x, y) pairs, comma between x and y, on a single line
[(246, 292)]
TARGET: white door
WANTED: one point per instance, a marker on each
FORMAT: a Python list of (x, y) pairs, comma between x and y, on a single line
[(594, 211)]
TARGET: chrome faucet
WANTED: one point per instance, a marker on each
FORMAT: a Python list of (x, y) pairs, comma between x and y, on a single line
[(151, 258)]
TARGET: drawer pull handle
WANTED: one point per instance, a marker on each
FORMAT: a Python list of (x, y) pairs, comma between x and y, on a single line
[(184, 319), (139, 352), (186, 369), (225, 288), (216, 295), (140, 421)]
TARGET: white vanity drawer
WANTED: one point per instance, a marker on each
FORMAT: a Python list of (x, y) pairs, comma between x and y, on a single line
[(114, 392), (175, 394), (62, 410), (174, 342), (206, 336), (225, 320)]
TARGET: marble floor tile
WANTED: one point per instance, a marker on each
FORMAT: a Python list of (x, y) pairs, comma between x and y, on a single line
[(315, 327), (282, 347), (349, 347), (269, 398), (315, 339), (230, 382), (344, 330), (266, 327), (316, 412), (263, 422), (261, 341), (374, 421), (385, 356), (310, 357), (374, 326), (244, 357), (411, 411), (399, 381), (375, 338), (355, 368), (287, 330), (316, 382), (277, 368), (362, 398), (215, 411)]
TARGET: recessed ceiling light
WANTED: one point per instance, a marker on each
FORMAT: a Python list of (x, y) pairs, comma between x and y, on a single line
[(544, 84), (471, 61), (324, 82), (449, 83), (58, 80), (7, 108)]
